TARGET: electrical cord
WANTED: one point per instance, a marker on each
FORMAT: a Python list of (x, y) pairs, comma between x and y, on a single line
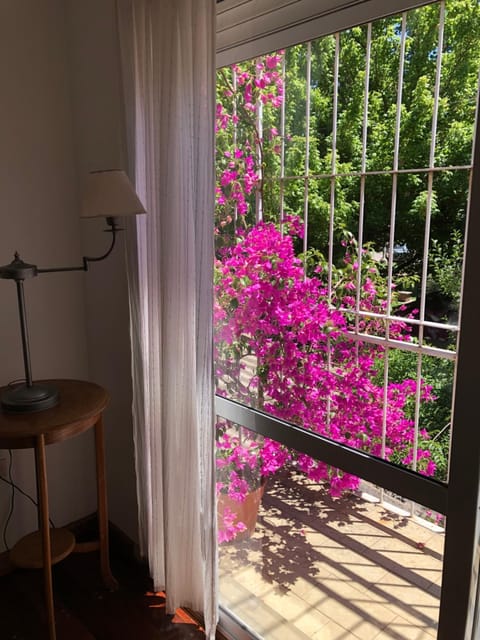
[(12, 501), (20, 490), (15, 487)]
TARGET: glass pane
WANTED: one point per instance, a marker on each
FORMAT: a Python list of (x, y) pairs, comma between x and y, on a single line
[(311, 558), (444, 284), (282, 348), (321, 105), (433, 421), (319, 193), (418, 86), (351, 96), (458, 84), (382, 104), (337, 300), (295, 110)]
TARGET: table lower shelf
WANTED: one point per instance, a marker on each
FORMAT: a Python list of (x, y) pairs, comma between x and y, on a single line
[(28, 552)]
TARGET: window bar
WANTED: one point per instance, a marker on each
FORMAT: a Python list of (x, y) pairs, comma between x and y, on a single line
[(460, 564), (308, 80), (392, 223), (454, 386), (428, 212), (384, 172), (385, 406), (402, 345), (282, 142), (394, 318), (418, 399), (454, 391), (361, 213), (235, 134), (259, 152), (332, 200), (428, 218), (430, 493), (467, 217), (396, 149), (334, 165)]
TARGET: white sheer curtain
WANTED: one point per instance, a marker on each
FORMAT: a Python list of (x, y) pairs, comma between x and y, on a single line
[(168, 61)]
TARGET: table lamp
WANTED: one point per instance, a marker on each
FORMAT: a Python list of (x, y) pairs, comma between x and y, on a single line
[(108, 194)]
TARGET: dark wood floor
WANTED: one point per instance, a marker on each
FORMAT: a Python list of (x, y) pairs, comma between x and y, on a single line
[(85, 610)]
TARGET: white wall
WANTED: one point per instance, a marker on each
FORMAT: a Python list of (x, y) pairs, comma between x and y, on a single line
[(99, 142), (61, 116), (39, 218)]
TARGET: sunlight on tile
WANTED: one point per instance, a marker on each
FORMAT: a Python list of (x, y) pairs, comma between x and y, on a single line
[(321, 569)]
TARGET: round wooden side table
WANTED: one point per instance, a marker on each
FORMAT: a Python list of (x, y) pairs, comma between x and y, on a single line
[(80, 408)]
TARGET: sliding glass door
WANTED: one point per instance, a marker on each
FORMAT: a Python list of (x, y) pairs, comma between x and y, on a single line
[(344, 195)]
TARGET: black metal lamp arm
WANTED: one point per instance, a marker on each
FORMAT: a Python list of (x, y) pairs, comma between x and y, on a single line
[(86, 259)]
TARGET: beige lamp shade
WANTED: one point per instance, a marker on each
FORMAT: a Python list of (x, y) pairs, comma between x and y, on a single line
[(109, 194)]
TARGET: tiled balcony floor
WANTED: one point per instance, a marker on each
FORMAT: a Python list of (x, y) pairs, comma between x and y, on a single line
[(324, 569)]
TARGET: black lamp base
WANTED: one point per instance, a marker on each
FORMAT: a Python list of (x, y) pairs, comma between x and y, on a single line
[(23, 398)]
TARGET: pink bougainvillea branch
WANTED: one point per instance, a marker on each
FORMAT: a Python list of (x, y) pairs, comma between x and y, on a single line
[(281, 344)]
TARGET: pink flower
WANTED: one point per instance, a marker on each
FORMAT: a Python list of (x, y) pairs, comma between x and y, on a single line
[(272, 61), (281, 337)]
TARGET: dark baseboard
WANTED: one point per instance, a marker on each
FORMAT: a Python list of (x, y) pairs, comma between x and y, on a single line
[(121, 545), (86, 529)]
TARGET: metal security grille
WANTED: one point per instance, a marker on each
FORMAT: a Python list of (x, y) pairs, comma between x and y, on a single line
[(420, 323)]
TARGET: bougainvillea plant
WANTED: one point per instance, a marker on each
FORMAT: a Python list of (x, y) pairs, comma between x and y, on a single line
[(282, 341)]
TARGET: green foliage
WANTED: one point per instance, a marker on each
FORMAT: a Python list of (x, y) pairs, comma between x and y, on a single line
[(456, 115), (446, 263), (435, 417)]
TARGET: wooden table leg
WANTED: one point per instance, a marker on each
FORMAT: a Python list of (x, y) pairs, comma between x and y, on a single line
[(41, 471), (107, 576)]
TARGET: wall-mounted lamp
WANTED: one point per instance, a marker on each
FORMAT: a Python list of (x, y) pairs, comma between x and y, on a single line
[(107, 194)]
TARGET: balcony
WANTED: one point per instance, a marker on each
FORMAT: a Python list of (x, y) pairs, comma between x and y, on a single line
[(318, 568)]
